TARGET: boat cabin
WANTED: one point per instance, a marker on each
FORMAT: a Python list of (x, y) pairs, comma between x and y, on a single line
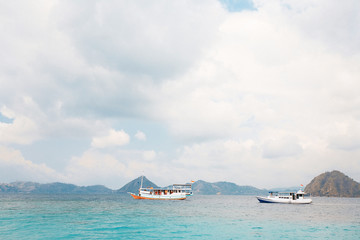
[(186, 188), (175, 188), (287, 195), (159, 191)]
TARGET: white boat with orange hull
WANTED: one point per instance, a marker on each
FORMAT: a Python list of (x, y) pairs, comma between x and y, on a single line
[(159, 194), (176, 192)]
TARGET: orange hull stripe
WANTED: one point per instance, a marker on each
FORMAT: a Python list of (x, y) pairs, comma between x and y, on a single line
[(139, 197)]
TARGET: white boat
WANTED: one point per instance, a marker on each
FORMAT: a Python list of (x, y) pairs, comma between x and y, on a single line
[(159, 194), (285, 197), (176, 192)]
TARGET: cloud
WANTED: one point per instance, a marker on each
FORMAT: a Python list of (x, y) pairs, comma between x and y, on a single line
[(91, 168), (345, 142), (231, 160), (22, 129), (114, 138), (140, 136), (113, 169), (345, 136), (227, 89), (156, 39), (15, 168), (243, 162), (31, 122), (334, 24), (285, 147), (149, 155), (263, 76), (94, 167)]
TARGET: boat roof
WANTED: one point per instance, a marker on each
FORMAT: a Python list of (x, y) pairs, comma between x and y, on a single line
[(294, 192), (163, 188)]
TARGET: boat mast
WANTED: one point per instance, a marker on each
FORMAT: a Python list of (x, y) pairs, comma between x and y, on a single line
[(142, 178)]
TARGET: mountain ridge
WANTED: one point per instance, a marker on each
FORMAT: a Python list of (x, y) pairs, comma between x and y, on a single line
[(331, 184), (52, 188), (201, 187)]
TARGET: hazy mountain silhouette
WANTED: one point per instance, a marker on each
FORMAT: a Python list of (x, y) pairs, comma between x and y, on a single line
[(225, 188), (52, 188), (332, 184)]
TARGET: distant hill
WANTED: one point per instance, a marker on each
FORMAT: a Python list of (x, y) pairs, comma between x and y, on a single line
[(56, 188), (199, 187), (224, 188), (134, 185), (8, 188), (333, 184)]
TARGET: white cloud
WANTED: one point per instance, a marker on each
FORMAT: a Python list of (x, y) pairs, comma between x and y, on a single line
[(229, 87), (113, 138), (22, 130), (335, 24), (13, 167), (140, 136), (242, 162), (152, 38), (264, 79), (149, 155), (285, 147), (94, 167), (5, 111), (91, 168), (114, 169), (345, 136), (31, 122)]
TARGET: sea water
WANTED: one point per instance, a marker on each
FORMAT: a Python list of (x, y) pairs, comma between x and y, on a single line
[(118, 216)]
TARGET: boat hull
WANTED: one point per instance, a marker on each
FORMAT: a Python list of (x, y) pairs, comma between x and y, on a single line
[(288, 201), (160, 197)]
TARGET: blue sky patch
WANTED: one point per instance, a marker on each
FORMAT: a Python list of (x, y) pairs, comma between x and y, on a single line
[(237, 5), (4, 119)]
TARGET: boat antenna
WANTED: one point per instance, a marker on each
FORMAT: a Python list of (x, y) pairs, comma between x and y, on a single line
[(142, 178)]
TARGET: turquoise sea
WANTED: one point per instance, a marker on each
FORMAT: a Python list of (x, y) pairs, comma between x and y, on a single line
[(198, 217)]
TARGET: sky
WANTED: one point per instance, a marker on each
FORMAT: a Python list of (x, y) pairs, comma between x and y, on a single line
[(263, 93)]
